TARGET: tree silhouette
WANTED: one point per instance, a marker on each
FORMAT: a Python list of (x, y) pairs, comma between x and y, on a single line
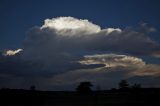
[(136, 86), (33, 88), (123, 84), (84, 87)]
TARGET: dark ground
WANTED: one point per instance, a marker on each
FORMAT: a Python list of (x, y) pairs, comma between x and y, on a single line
[(143, 96)]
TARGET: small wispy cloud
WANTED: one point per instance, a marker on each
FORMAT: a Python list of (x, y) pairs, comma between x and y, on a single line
[(12, 52)]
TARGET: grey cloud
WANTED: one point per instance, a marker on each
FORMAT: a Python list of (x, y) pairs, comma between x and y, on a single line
[(65, 40), (60, 42), (117, 67), (51, 53)]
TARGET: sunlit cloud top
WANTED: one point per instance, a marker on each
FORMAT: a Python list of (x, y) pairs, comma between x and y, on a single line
[(73, 26), (70, 23)]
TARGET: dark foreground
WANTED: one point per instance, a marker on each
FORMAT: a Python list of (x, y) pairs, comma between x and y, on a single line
[(146, 97)]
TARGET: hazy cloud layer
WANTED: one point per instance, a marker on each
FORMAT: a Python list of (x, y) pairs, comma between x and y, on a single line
[(62, 52), (116, 67), (113, 60)]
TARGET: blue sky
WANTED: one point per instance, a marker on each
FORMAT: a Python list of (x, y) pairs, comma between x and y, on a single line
[(20, 15)]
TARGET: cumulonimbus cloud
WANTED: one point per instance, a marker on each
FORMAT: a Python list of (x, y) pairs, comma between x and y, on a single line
[(62, 51), (64, 40), (72, 34)]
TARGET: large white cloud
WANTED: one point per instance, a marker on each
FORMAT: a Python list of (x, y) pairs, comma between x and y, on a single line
[(72, 34), (61, 40), (72, 25)]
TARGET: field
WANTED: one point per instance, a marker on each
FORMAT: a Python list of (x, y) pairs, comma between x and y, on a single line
[(148, 97)]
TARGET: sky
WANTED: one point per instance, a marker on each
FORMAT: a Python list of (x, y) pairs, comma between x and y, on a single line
[(55, 44)]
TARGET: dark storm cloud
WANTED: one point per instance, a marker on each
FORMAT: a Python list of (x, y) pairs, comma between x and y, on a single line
[(67, 34), (52, 54)]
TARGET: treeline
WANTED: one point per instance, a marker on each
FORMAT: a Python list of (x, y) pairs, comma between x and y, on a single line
[(86, 86)]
